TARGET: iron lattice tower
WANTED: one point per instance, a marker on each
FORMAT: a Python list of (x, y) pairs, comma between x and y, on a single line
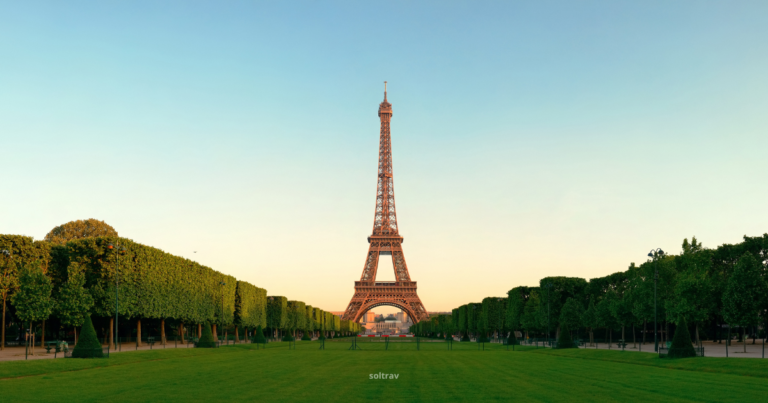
[(385, 240)]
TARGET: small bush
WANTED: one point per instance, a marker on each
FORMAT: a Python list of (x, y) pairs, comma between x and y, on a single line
[(258, 336), (681, 342), (465, 337), (565, 341), (206, 338), (88, 345), (512, 339), (306, 337), (288, 337)]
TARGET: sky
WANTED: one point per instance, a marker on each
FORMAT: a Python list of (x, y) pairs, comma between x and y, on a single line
[(530, 139)]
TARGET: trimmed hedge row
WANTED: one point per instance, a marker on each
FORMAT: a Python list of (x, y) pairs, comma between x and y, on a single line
[(250, 305), (157, 285)]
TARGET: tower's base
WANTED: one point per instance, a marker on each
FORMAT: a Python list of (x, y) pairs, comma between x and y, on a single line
[(370, 294)]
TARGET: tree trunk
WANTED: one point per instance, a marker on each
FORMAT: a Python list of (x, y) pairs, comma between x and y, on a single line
[(698, 341), (623, 337), (237, 335), (634, 337), (42, 339), (215, 335), (111, 333), (744, 332), (162, 331), (645, 327), (199, 330), (138, 332), (75, 329), (2, 340)]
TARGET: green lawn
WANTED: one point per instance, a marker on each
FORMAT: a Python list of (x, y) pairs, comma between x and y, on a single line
[(430, 374)]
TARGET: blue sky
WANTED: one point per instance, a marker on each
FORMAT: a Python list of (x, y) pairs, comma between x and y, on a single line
[(529, 138)]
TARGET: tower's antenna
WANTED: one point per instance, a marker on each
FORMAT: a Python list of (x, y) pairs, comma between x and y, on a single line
[(385, 90)]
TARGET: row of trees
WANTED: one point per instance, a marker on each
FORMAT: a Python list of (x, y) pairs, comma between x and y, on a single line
[(712, 290), (64, 280), (297, 317)]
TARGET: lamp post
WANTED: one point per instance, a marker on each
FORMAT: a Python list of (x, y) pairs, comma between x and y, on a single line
[(7, 255), (222, 284), (655, 254), (118, 249), (549, 295)]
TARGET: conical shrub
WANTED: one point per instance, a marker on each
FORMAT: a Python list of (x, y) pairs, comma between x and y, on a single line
[(306, 337), (206, 338), (258, 336), (682, 346), (465, 337), (288, 337), (88, 345), (565, 341), (512, 339)]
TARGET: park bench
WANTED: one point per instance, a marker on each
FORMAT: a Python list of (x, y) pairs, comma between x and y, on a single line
[(56, 344), (151, 341)]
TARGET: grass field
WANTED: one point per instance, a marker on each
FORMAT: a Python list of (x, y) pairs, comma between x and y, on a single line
[(432, 374)]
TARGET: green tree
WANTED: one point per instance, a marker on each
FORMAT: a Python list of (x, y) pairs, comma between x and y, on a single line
[(571, 313), (33, 300), (530, 320), (90, 228), (590, 320), (73, 301), (88, 345), (743, 294)]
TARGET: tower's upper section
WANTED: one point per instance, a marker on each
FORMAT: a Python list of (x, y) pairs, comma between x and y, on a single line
[(385, 107), (385, 222)]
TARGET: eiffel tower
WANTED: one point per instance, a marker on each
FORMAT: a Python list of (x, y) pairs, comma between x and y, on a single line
[(387, 241)]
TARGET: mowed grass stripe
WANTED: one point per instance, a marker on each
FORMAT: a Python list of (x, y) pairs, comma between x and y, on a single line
[(278, 374)]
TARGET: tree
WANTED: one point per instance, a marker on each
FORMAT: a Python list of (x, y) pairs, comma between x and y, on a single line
[(33, 299), (88, 345), (570, 314), (743, 294), (516, 298), (9, 281), (530, 320), (590, 321), (73, 301), (90, 228)]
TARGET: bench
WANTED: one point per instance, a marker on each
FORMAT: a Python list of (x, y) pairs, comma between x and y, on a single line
[(49, 345)]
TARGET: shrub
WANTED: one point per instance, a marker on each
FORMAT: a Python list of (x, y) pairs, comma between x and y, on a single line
[(287, 337), (681, 342), (306, 337), (258, 336), (565, 341), (88, 345), (206, 338), (512, 339)]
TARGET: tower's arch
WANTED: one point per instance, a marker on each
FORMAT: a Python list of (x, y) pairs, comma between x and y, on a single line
[(402, 305)]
